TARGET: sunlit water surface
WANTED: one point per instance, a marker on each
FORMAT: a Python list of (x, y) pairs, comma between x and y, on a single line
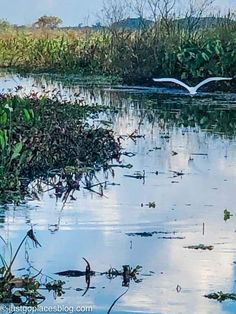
[(190, 208)]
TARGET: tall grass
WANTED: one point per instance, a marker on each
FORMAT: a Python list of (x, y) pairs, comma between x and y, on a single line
[(132, 55)]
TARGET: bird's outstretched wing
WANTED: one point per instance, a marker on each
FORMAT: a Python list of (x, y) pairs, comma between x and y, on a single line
[(211, 79), (172, 80)]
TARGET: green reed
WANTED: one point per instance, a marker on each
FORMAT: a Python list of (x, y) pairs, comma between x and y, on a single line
[(132, 55)]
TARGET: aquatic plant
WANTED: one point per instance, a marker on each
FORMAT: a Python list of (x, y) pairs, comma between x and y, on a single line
[(13, 289), (221, 296), (39, 134), (24, 290), (227, 214)]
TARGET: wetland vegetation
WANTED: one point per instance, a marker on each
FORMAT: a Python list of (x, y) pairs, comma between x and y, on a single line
[(45, 136), (189, 49), (92, 167)]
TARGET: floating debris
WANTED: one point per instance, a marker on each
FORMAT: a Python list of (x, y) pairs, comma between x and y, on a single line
[(178, 288), (135, 135), (200, 247), (149, 204), (148, 234), (128, 273), (165, 137), (128, 166), (74, 273), (221, 296), (171, 238), (78, 273), (136, 175), (199, 154), (177, 173)]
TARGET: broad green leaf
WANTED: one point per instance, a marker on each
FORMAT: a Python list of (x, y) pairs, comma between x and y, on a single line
[(17, 150), (2, 141), (27, 117)]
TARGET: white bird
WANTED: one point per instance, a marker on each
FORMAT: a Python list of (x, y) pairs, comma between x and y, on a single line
[(192, 90)]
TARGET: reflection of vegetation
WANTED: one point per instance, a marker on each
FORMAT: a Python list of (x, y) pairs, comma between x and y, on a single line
[(127, 274), (213, 118), (24, 290), (40, 134)]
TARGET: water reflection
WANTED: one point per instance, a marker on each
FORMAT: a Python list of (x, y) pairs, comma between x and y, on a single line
[(201, 131)]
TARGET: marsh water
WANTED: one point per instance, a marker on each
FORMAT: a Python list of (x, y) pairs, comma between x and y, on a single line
[(186, 148)]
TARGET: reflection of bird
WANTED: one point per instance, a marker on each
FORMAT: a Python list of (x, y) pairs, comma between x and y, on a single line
[(192, 90)]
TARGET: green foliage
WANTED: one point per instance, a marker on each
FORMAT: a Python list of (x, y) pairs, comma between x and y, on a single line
[(24, 290), (38, 134), (227, 215), (135, 56), (4, 25), (48, 22), (12, 153)]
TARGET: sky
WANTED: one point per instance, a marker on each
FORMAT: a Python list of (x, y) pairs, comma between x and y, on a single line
[(72, 12)]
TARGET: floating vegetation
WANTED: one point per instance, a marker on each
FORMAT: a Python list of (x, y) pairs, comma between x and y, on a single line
[(221, 296), (136, 175), (200, 247), (177, 173), (148, 234), (24, 291), (227, 215), (45, 137), (172, 238), (149, 204), (128, 273), (78, 273)]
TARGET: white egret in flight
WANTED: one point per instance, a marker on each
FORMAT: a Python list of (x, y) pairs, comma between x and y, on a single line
[(192, 90)]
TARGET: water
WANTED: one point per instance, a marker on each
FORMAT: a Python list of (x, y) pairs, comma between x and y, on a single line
[(189, 208)]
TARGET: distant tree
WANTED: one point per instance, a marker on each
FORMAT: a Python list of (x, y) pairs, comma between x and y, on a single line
[(4, 24), (97, 25), (48, 22), (195, 12), (114, 11)]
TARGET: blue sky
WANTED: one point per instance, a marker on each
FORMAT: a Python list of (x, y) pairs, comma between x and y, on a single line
[(72, 12)]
